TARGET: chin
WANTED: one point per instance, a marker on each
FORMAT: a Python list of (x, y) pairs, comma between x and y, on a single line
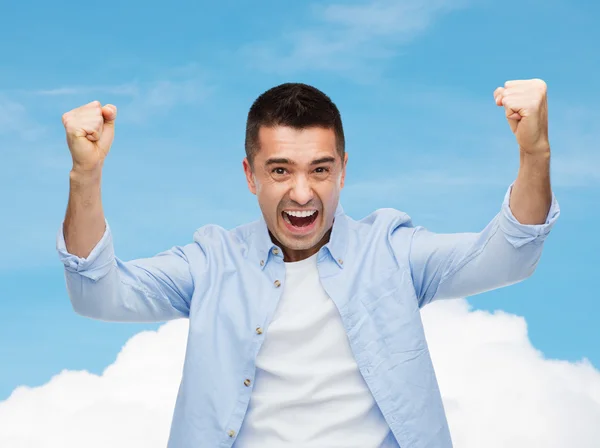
[(295, 244)]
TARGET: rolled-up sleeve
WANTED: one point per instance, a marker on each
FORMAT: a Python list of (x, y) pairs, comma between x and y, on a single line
[(520, 234), (154, 289), (455, 265), (98, 262)]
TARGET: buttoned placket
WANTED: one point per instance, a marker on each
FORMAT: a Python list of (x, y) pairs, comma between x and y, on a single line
[(277, 282)]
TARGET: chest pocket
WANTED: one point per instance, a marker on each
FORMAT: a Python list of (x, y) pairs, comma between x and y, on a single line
[(392, 307)]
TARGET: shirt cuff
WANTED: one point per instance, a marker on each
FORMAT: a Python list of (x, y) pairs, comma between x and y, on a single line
[(97, 264), (520, 234)]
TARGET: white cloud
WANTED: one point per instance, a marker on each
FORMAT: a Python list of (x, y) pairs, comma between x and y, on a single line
[(388, 17), (160, 97), (138, 100), (347, 38), (14, 118), (123, 89), (128, 406), (498, 390)]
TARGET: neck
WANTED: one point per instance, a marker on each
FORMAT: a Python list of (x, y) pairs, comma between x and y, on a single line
[(292, 255)]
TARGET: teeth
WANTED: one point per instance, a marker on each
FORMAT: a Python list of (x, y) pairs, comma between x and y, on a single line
[(301, 214)]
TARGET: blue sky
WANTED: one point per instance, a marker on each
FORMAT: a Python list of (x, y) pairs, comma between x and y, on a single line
[(414, 82)]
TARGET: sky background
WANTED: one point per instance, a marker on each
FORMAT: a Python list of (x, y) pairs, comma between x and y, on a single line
[(414, 83)]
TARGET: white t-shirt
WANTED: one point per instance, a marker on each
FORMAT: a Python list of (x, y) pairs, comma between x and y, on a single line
[(308, 391)]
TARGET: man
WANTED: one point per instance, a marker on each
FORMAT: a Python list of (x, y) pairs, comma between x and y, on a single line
[(304, 326)]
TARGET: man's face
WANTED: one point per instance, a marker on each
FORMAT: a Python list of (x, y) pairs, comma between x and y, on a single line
[(297, 177)]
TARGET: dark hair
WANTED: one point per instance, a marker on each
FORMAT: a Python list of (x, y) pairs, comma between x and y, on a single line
[(295, 105)]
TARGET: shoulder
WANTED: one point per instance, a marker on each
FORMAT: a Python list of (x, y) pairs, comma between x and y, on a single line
[(383, 221), (384, 232), (378, 241), (215, 239)]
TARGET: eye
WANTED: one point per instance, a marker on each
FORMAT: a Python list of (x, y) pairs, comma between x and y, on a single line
[(279, 170), (322, 170)]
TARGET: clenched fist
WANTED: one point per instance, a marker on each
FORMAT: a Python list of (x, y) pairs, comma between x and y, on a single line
[(526, 108), (90, 133)]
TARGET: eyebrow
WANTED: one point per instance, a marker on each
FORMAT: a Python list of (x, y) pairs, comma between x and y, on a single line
[(283, 161)]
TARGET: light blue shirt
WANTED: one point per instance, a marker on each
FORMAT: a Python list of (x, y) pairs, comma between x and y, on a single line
[(379, 272)]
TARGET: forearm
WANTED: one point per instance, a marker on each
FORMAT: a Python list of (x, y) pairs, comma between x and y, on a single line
[(531, 194), (84, 222)]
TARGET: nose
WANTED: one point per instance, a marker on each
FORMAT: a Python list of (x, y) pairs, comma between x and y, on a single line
[(301, 191)]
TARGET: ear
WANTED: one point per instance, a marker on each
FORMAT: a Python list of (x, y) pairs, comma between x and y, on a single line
[(344, 170), (249, 175)]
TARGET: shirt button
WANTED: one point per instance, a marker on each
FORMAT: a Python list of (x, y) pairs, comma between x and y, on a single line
[(258, 330), (340, 261), (277, 283), (247, 382), (262, 262), (231, 433), (275, 251)]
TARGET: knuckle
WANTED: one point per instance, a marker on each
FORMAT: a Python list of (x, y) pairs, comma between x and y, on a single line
[(540, 83), (543, 86)]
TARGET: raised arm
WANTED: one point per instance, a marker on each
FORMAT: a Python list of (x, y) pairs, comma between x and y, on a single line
[(456, 265), (509, 248), (90, 132), (100, 285)]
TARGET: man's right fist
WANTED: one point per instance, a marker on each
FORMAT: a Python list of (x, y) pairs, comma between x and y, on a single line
[(90, 132)]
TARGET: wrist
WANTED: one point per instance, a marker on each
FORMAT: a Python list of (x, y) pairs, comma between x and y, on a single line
[(534, 168), (85, 177), (541, 152), (538, 157)]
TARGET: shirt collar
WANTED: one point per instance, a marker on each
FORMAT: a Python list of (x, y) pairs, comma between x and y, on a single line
[(265, 250)]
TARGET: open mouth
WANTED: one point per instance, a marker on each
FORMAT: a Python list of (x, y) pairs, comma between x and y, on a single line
[(301, 220)]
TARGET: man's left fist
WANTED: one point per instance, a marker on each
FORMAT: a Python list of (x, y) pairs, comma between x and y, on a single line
[(526, 107)]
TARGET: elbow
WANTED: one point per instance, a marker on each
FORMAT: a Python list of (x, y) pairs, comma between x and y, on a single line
[(84, 307), (525, 267), (530, 270), (96, 299), (83, 299), (82, 311), (522, 274), (93, 303), (103, 313)]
